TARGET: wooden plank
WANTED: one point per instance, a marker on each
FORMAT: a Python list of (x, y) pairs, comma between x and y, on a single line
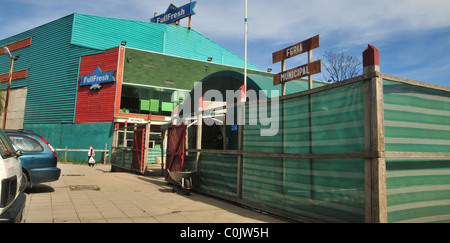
[(354, 155), (296, 49), (417, 155), (81, 150), (298, 72), (414, 82), (16, 75), (17, 45)]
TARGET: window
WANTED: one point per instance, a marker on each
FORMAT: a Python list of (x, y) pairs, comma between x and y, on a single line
[(146, 100), (6, 148), (26, 144)]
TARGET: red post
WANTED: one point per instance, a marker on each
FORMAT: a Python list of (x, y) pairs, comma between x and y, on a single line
[(371, 59)]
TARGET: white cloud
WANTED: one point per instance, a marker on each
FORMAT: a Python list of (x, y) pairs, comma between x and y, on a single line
[(354, 21), (342, 24)]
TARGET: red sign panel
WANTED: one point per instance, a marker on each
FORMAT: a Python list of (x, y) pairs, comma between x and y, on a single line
[(96, 106)]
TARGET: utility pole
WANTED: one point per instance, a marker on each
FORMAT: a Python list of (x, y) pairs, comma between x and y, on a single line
[(13, 58)]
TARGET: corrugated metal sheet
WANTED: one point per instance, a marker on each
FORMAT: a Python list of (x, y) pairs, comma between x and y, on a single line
[(52, 71), (191, 44), (97, 105), (105, 33)]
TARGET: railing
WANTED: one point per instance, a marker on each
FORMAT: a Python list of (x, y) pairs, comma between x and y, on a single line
[(105, 158)]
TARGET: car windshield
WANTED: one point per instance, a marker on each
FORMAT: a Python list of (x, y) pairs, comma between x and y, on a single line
[(6, 147), (26, 144)]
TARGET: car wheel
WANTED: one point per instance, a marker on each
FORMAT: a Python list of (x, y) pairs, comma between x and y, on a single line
[(25, 182)]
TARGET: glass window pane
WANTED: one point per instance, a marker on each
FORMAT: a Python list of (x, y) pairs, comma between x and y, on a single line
[(145, 100), (26, 144)]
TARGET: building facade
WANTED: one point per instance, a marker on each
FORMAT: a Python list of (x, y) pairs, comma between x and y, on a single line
[(81, 76)]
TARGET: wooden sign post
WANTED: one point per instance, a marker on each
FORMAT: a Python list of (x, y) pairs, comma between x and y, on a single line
[(301, 71), (285, 76)]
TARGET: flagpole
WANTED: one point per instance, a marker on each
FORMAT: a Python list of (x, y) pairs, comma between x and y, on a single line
[(245, 55)]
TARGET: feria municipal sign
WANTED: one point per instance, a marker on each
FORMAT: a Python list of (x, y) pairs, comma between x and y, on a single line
[(305, 70), (96, 78), (174, 14)]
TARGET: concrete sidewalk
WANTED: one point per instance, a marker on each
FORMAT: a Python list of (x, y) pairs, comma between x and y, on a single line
[(96, 195)]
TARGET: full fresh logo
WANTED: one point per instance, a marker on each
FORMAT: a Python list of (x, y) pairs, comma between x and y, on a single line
[(96, 78), (174, 14)]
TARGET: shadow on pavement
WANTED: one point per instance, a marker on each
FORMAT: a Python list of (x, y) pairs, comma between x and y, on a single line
[(39, 188)]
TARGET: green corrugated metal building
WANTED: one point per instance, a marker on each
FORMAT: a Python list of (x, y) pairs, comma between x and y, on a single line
[(156, 56)]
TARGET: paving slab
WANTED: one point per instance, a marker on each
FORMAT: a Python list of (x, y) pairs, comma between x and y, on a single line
[(97, 195)]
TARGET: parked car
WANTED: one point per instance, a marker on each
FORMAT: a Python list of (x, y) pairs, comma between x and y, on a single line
[(39, 159), (12, 201)]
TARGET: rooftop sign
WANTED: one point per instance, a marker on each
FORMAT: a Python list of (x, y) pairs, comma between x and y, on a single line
[(174, 14)]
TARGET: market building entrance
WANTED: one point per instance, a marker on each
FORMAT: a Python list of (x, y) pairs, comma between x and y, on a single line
[(131, 154)]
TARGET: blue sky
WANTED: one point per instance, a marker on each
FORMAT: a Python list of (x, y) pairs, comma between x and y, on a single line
[(413, 36)]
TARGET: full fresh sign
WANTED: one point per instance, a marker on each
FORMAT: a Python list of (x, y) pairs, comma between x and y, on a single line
[(96, 78), (174, 14)]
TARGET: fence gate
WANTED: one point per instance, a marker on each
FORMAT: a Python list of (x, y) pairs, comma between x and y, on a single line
[(137, 158), (176, 140), (131, 157)]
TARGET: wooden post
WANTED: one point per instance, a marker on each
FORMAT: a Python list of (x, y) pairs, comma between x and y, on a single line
[(375, 168), (240, 160), (283, 84), (65, 154), (124, 143), (310, 77), (105, 157), (146, 143), (190, 16), (283, 134), (224, 132), (163, 136), (199, 132), (115, 143), (311, 161)]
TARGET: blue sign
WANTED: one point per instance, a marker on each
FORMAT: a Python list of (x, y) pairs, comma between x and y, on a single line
[(174, 14), (96, 78)]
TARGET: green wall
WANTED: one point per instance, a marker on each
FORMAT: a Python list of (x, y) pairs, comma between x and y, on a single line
[(148, 68), (76, 136)]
